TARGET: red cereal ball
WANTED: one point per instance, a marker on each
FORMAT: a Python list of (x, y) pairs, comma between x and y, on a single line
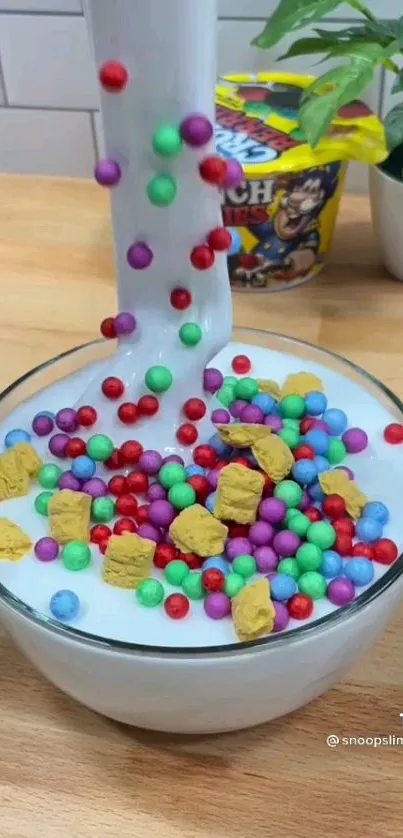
[(300, 606), (86, 416), (343, 544), (99, 533), (75, 447), (385, 551), (118, 485), (241, 364), (366, 550), (131, 452), (306, 425), (193, 562), (108, 328), (238, 530), (345, 525), (177, 606), (124, 525), (112, 387), (219, 464), (148, 406), (116, 460), (103, 546), (220, 239), (113, 76), (137, 482), (393, 433), (194, 409), (205, 456), (164, 553), (202, 257), (187, 434), (313, 514), (128, 413), (334, 506), (181, 299), (248, 261), (304, 452), (269, 485), (213, 170), (201, 486), (126, 505), (142, 516), (242, 461), (213, 580)]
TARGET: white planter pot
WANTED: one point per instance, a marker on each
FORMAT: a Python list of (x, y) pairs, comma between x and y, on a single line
[(387, 215)]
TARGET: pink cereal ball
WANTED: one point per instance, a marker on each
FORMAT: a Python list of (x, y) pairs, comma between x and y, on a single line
[(261, 533), (355, 440), (272, 510), (340, 591), (286, 543), (281, 617), (217, 605), (266, 559), (95, 487), (150, 532), (273, 422), (68, 480), (58, 444), (46, 549), (252, 415), (42, 425), (238, 547)]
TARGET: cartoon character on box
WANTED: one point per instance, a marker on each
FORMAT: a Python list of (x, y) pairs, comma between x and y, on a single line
[(288, 242)]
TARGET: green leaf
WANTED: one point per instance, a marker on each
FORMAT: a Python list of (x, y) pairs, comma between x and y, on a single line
[(307, 46), (367, 51), (316, 115), (398, 83), (291, 15), (394, 127)]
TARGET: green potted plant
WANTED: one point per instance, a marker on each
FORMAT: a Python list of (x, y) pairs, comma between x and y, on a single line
[(362, 48)]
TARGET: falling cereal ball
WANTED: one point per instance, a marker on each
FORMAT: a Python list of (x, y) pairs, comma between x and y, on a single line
[(99, 447), (241, 364), (158, 379), (235, 174), (128, 413), (16, 436), (64, 605), (86, 416), (187, 434), (177, 606), (161, 190), (150, 593), (213, 170), (393, 433), (196, 130), (107, 328), (139, 257), (190, 334), (202, 257), (46, 549), (113, 388), (212, 380), (167, 141), (42, 424), (236, 244), (107, 173), (220, 239), (194, 409), (148, 406), (181, 299), (113, 76), (125, 323)]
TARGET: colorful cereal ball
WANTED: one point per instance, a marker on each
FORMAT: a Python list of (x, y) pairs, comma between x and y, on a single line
[(315, 403), (64, 606), (305, 471), (289, 492), (292, 407), (360, 571)]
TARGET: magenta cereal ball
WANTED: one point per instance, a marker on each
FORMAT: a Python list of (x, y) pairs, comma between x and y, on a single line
[(272, 510), (261, 533), (238, 547), (281, 616), (95, 487), (340, 591), (46, 549), (217, 605), (139, 256), (42, 424), (150, 462), (107, 173), (196, 130), (125, 323), (355, 440), (161, 513), (212, 380), (266, 559), (69, 481), (58, 444), (286, 543), (66, 420)]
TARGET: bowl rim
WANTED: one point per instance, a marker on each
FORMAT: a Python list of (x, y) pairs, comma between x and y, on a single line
[(18, 606)]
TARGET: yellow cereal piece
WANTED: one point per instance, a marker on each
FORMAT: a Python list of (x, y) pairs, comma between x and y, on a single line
[(253, 611), (29, 458), (274, 457), (267, 385), (14, 544), (14, 479), (69, 516), (242, 435), (239, 491), (337, 482), (195, 530), (300, 384), (128, 560)]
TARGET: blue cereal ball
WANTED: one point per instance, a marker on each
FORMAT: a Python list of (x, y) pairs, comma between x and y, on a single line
[(368, 530), (193, 470), (210, 501), (236, 245), (377, 510), (319, 440), (83, 467), (322, 463), (15, 436), (315, 403), (282, 586), (332, 564), (305, 472), (265, 402), (217, 563), (316, 492), (336, 420), (219, 447), (360, 571), (64, 605)]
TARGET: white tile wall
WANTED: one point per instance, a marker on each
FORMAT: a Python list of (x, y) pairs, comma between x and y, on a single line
[(49, 93)]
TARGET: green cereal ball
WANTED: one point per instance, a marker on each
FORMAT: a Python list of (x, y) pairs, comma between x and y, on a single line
[(226, 395), (190, 334), (231, 380), (290, 514), (41, 502), (290, 436), (192, 585), (290, 567), (176, 571), (234, 583), (313, 584), (102, 510), (158, 379), (150, 593), (291, 423), (161, 190), (49, 476), (167, 141), (309, 557), (76, 555), (182, 495), (289, 492), (299, 524), (322, 534), (337, 452), (292, 407), (170, 474), (100, 447), (246, 388), (245, 566)]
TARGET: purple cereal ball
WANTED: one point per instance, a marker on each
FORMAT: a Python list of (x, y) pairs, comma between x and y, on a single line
[(261, 533), (355, 440), (150, 462), (213, 476), (173, 458), (95, 487), (156, 492), (274, 422), (212, 380), (281, 617), (348, 471), (66, 420), (237, 408), (340, 591), (161, 513), (167, 539), (266, 559), (196, 130), (217, 605), (42, 425), (124, 323), (58, 444), (272, 510), (238, 547), (46, 549), (150, 532), (320, 425), (286, 543), (271, 575), (235, 174), (305, 501), (68, 480), (252, 415), (220, 417)]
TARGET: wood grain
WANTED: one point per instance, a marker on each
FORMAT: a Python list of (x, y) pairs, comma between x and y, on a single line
[(67, 773)]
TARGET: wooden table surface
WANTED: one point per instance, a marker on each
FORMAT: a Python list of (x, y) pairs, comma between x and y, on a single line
[(67, 773)]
